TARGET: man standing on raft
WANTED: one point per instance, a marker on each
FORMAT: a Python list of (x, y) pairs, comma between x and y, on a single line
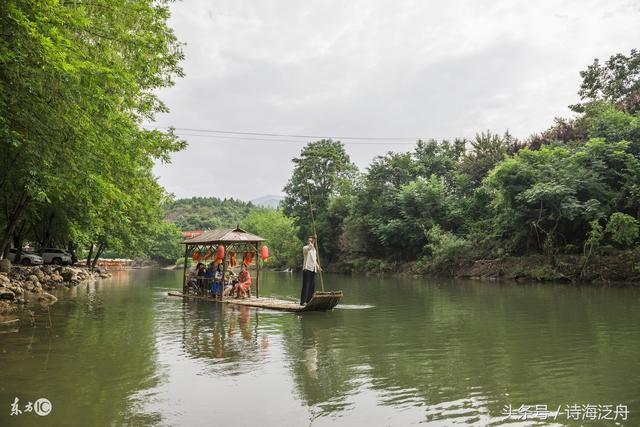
[(309, 269)]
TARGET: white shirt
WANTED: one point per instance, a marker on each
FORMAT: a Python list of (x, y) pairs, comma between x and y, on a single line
[(310, 258)]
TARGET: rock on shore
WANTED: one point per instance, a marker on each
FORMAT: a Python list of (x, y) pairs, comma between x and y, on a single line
[(22, 284)]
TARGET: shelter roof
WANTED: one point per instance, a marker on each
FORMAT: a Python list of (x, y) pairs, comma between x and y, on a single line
[(224, 235)]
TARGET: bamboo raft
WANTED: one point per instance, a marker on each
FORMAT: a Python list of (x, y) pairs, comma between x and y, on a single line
[(321, 301)]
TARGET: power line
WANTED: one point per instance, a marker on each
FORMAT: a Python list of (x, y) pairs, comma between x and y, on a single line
[(365, 138), (248, 139)]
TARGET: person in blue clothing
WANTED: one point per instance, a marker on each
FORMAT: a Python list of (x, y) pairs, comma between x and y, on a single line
[(208, 276), (216, 286)]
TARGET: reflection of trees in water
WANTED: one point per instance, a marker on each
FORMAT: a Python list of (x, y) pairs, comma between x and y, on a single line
[(91, 355), (459, 347)]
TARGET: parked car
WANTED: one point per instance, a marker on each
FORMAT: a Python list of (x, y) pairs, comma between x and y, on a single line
[(55, 256), (27, 258)]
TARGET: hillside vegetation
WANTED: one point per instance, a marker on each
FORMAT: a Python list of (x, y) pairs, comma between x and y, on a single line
[(203, 213)]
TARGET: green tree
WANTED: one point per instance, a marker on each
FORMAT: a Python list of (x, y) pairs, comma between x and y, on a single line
[(487, 150), (77, 80), (165, 243), (424, 203), (285, 249), (623, 229), (616, 81), (322, 171), (550, 196), (202, 213)]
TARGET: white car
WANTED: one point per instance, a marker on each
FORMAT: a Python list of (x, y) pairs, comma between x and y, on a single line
[(55, 256), (27, 258)]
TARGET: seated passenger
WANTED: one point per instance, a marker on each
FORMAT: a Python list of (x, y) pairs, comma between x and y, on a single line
[(208, 275), (243, 288), (216, 286), (230, 283), (192, 281), (201, 271)]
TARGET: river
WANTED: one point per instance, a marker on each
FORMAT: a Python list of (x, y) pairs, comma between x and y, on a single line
[(395, 352)]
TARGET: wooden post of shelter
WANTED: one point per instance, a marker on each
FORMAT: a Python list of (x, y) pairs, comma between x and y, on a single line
[(184, 269), (257, 272)]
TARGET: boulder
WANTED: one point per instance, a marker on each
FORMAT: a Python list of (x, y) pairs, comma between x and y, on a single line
[(7, 307), (47, 298), (5, 265), (7, 294), (40, 275), (56, 277), (32, 278), (4, 279), (69, 275), (16, 289)]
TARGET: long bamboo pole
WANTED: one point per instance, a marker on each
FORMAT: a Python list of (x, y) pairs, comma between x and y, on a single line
[(313, 227)]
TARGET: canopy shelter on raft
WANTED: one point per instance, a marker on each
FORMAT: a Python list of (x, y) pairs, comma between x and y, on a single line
[(239, 241), (234, 240)]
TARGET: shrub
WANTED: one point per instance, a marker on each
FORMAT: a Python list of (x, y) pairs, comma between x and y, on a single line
[(623, 229), (447, 249)]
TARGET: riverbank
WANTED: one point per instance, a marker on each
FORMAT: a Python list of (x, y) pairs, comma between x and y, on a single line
[(622, 267), (24, 285)]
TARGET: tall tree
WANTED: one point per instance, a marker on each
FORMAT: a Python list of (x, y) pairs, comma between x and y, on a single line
[(323, 170), (77, 80), (616, 81)]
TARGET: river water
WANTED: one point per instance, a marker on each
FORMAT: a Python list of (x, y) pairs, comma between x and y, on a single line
[(395, 352)]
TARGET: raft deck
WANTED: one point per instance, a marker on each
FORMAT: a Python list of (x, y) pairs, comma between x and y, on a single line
[(321, 301)]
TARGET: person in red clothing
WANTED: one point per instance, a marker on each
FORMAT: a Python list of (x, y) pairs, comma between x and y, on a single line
[(243, 288)]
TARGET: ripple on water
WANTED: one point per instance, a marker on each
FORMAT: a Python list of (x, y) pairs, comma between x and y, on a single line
[(354, 306), (397, 354)]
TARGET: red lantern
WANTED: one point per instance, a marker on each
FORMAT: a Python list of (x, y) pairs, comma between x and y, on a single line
[(247, 259), (220, 252), (264, 253)]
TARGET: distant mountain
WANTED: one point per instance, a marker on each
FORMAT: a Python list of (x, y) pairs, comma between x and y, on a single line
[(269, 201)]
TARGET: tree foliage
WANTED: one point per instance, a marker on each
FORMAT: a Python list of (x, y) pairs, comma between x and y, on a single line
[(285, 249), (77, 81), (575, 185), (206, 213), (323, 170), (617, 81), (623, 229)]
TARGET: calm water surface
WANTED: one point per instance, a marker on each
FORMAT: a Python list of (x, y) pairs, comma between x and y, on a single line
[(395, 352)]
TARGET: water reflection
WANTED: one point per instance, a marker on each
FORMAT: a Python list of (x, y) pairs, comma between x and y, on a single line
[(88, 357), (396, 352)]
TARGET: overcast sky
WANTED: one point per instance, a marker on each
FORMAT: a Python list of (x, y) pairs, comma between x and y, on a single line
[(369, 68)]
